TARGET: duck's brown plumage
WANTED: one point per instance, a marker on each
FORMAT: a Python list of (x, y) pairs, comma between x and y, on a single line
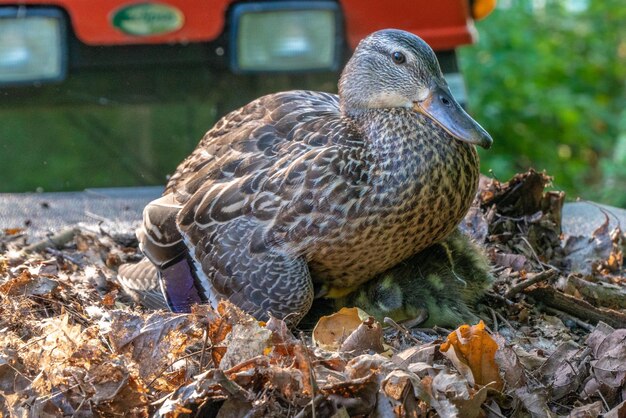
[(297, 187)]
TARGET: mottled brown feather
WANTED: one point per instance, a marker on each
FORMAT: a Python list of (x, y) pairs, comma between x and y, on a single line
[(291, 189)]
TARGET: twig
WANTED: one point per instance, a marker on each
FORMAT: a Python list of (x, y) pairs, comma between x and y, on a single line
[(162, 399), (204, 346), (532, 250), (57, 240), (500, 298), (494, 318), (606, 404), (42, 399), (508, 324), (584, 325), (400, 328), (58, 253), (78, 316), (312, 379), (77, 410), (82, 392), (493, 174), (493, 411), (577, 307), (170, 364), (497, 270), (540, 277), (18, 372)]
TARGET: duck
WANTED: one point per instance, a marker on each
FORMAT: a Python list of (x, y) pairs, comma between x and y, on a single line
[(305, 194), (439, 286)]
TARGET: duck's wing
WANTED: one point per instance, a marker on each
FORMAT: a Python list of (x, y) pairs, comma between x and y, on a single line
[(265, 162), (233, 160), (224, 198), (255, 137), (141, 282), (251, 176), (159, 237)]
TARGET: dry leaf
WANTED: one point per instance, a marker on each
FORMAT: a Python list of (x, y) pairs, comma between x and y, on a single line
[(26, 285), (618, 412), (475, 225), (402, 390), (155, 341), (331, 331), (592, 410), (535, 401), (420, 354), (510, 364), (244, 342), (368, 337), (560, 372), (582, 253), (108, 300), (474, 347), (517, 262), (610, 366)]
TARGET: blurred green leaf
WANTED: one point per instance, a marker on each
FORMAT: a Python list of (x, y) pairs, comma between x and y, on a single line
[(549, 84)]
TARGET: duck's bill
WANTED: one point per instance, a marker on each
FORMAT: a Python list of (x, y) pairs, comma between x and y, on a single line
[(441, 107)]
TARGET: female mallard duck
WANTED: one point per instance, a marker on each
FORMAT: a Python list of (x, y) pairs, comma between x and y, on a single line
[(301, 188), (444, 281)]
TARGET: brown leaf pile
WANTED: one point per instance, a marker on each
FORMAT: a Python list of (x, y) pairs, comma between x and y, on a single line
[(71, 344)]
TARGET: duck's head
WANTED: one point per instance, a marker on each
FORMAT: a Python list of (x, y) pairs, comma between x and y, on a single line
[(396, 69)]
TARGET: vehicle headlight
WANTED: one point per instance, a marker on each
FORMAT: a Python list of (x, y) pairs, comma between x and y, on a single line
[(285, 36), (32, 45)]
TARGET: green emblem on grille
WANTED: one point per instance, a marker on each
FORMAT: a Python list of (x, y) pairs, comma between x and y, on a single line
[(146, 19)]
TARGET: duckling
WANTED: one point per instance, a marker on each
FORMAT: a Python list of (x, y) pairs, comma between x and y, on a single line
[(445, 281), (301, 189)]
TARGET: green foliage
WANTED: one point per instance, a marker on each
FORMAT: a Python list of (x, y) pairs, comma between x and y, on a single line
[(549, 84)]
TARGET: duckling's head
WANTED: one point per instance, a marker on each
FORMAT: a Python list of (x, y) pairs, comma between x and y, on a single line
[(396, 69)]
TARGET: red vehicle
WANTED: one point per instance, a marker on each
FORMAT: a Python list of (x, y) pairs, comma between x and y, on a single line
[(43, 40)]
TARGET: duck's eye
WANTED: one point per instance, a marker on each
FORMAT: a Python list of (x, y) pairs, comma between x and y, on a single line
[(398, 57)]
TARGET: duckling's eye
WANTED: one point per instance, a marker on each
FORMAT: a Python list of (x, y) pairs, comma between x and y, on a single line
[(398, 57)]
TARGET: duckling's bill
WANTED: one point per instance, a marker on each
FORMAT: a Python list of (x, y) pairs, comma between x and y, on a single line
[(441, 107)]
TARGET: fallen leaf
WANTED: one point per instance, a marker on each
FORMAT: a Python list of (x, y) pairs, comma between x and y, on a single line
[(517, 262), (108, 300), (474, 347), (331, 331), (610, 366), (368, 337), (510, 365), (419, 354), (12, 379), (475, 225), (535, 401), (472, 406), (582, 253), (618, 412), (26, 285), (592, 410), (560, 373), (244, 342), (155, 341), (402, 390), (599, 334)]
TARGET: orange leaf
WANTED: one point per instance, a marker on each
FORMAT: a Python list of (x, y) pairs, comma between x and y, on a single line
[(109, 299), (476, 349)]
